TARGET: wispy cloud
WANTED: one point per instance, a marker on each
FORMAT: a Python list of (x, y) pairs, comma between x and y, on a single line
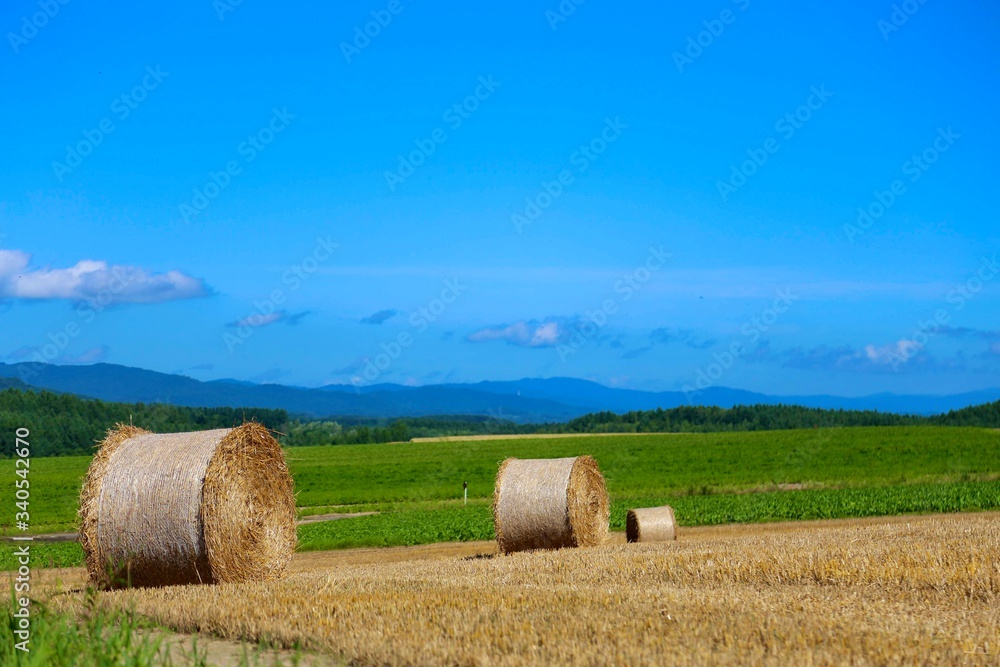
[(92, 356), (352, 367), (966, 332), (380, 316), (527, 333), (19, 354), (90, 280), (689, 337), (256, 320), (637, 352), (992, 338), (904, 354)]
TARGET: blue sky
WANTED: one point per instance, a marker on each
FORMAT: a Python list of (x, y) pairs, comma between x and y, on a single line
[(649, 196)]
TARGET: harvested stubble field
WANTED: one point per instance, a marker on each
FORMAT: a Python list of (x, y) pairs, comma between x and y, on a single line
[(908, 590), (709, 478)]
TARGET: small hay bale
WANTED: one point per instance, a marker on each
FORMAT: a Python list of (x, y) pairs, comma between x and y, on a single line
[(651, 524), (550, 504), (185, 508)]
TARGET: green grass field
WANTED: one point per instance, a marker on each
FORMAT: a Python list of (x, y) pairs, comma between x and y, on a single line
[(708, 478)]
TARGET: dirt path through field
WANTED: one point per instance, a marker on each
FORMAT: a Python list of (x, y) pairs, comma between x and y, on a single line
[(317, 518), (314, 518), (226, 653)]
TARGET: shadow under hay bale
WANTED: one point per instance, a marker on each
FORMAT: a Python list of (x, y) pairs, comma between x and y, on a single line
[(184, 508), (651, 524), (550, 504)]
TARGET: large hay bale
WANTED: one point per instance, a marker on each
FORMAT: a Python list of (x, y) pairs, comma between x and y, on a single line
[(550, 504), (181, 508), (651, 524)]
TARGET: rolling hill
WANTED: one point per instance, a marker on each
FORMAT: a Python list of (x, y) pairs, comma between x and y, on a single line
[(528, 400)]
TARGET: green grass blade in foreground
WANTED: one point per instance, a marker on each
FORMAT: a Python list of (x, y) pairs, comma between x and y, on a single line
[(97, 639)]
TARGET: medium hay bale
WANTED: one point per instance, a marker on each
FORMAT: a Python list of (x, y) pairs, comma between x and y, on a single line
[(183, 508), (549, 504), (651, 524)]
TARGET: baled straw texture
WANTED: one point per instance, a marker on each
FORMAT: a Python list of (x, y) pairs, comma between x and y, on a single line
[(183, 508), (651, 524), (550, 504)]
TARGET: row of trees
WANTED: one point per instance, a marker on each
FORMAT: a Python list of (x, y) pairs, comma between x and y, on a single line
[(766, 418), (740, 418), (353, 430), (304, 434), (64, 424)]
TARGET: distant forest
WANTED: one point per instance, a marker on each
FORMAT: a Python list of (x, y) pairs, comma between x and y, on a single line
[(63, 424), (766, 418)]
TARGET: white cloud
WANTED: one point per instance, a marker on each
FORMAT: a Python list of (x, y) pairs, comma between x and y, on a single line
[(93, 280), (883, 355), (526, 333)]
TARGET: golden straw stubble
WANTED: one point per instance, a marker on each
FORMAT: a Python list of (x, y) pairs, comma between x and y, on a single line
[(180, 508), (550, 504)]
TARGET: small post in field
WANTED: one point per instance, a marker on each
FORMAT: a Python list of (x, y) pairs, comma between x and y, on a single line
[(465, 487)]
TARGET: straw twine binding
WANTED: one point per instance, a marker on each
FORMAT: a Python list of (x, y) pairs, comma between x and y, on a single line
[(652, 524), (203, 507), (549, 504)]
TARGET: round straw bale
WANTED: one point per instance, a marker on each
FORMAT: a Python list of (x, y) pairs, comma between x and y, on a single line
[(549, 504), (181, 508), (651, 524)]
